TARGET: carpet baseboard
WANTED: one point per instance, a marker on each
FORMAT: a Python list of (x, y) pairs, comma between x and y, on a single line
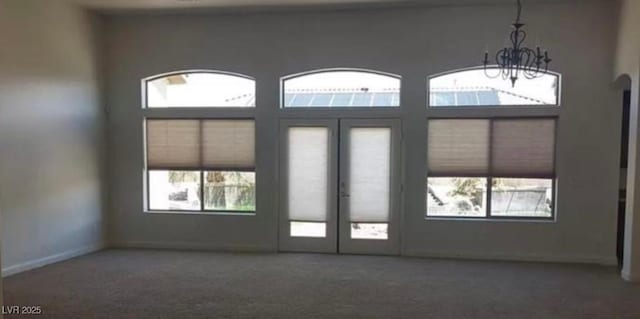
[(192, 246), (579, 259), (37, 263)]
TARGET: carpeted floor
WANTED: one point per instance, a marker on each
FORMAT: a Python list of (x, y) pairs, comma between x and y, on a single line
[(171, 284)]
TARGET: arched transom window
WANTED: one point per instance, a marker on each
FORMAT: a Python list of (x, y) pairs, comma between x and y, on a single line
[(341, 88), (200, 89), (474, 88)]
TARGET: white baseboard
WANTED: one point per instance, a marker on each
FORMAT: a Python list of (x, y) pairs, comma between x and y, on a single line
[(611, 261), (626, 275), (193, 246), (579, 259), (32, 264)]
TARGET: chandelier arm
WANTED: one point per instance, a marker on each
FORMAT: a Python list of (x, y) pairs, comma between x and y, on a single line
[(487, 74), (505, 54), (486, 70), (500, 54), (523, 36), (532, 66), (536, 61), (525, 59)]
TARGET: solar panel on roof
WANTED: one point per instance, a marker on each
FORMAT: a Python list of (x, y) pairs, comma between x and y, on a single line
[(287, 98), (466, 98), (341, 99), (443, 99), (362, 99), (301, 100), (488, 98), (380, 99), (383, 99), (321, 99)]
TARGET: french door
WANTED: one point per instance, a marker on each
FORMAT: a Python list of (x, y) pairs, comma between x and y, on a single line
[(340, 186)]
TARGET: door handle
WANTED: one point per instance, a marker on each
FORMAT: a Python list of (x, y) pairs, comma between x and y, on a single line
[(343, 193)]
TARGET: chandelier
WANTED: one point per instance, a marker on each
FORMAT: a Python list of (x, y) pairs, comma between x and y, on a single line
[(518, 60)]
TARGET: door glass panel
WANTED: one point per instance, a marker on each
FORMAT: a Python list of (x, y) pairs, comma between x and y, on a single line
[(369, 230), (370, 156), (307, 229), (308, 173)]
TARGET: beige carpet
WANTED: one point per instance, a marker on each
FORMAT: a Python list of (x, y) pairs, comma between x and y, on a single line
[(171, 284)]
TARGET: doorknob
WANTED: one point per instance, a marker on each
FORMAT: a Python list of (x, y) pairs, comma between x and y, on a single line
[(344, 194)]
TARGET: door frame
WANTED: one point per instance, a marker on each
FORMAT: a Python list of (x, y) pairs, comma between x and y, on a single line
[(338, 225)]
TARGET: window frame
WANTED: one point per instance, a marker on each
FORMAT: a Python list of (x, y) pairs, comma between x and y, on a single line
[(145, 93), (488, 216), (288, 77), (555, 105), (146, 172)]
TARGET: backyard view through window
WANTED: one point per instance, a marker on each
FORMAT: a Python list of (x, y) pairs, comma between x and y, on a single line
[(457, 196), (181, 190), (174, 190), (510, 197), (235, 191), (523, 197)]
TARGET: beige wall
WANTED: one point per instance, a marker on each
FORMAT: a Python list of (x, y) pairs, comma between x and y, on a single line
[(414, 42), (51, 134), (627, 63)]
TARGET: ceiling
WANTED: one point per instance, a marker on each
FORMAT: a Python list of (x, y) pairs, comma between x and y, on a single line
[(186, 4)]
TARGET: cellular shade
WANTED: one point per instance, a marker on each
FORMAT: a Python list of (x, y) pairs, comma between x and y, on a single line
[(228, 144), (173, 143), (308, 162), (523, 148), (369, 177), (458, 147)]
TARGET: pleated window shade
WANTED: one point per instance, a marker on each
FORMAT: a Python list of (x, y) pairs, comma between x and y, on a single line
[(228, 144), (370, 172), (200, 144), (173, 143), (497, 148), (308, 173), (458, 148), (523, 148)]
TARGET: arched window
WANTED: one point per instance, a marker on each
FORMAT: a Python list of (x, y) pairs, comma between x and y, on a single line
[(473, 88), (341, 88), (199, 89)]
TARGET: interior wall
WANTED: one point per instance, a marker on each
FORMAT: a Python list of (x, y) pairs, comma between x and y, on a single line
[(627, 63), (414, 42), (51, 134)]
